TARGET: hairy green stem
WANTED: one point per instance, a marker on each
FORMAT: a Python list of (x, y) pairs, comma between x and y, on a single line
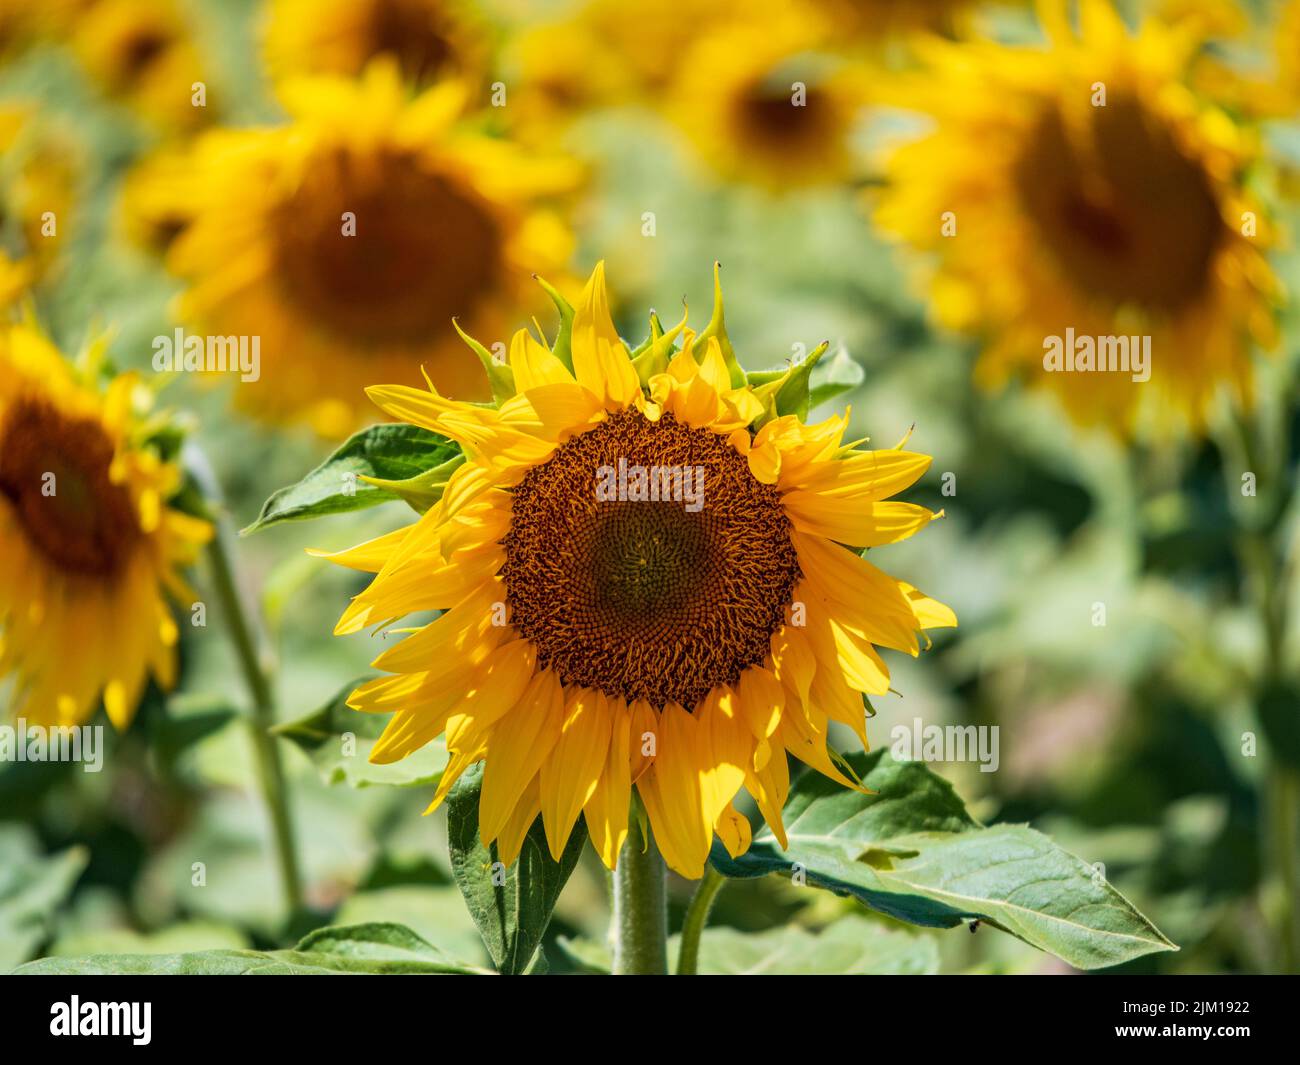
[(697, 916), (640, 905)]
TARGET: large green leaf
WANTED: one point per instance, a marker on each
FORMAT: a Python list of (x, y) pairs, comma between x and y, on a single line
[(389, 453), (338, 740), (512, 915), (32, 888), (912, 851), (366, 948)]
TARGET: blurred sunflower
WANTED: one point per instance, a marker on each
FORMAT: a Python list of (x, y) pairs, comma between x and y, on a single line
[(766, 101), (591, 641), (429, 39), (142, 53), (348, 238), (88, 542), (38, 177), (15, 277), (877, 20), (1050, 210), (157, 198), (598, 56)]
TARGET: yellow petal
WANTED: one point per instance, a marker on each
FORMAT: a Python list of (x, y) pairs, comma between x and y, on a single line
[(607, 809), (600, 359), (521, 742), (533, 365), (570, 774)]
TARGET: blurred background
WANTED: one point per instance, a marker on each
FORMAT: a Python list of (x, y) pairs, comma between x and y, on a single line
[(1159, 736)]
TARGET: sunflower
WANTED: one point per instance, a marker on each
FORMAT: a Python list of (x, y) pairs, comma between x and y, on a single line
[(1085, 188), (429, 39), (597, 56), (38, 176), (346, 239), (142, 53), (642, 569), (15, 278), (766, 100), (90, 542)]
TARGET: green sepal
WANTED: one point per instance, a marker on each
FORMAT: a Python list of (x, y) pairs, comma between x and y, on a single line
[(788, 392), (562, 349), (652, 357), (424, 489), (500, 377)]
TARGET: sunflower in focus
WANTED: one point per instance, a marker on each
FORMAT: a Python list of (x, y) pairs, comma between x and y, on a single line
[(429, 39), (767, 101), (91, 546), (645, 583), (346, 239), (1085, 187), (142, 53)]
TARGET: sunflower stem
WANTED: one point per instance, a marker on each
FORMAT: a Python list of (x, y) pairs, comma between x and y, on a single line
[(697, 916), (640, 905), (254, 663)]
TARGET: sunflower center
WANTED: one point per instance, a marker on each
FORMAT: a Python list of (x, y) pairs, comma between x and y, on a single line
[(645, 560), (141, 51), (411, 30), (1124, 213), (382, 250), (769, 112), (54, 475)]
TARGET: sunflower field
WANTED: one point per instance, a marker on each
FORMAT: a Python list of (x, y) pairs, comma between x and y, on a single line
[(585, 487)]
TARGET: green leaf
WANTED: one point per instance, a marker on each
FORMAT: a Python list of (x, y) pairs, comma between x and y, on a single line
[(338, 740), (32, 888), (389, 452), (833, 377), (787, 391), (367, 948), (850, 946), (511, 916), (913, 852)]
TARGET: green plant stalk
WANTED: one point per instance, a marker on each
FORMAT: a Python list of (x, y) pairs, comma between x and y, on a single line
[(1266, 570), (640, 904), (266, 752), (697, 916)]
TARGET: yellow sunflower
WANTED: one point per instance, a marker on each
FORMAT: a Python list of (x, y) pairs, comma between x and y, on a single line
[(38, 175), (1084, 188), (15, 278), (346, 239), (765, 99), (142, 53), (429, 39), (597, 56), (88, 541), (645, 584)]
